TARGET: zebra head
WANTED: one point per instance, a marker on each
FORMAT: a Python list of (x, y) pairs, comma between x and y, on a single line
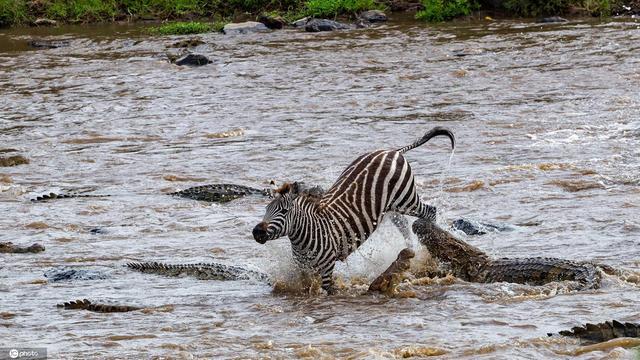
[(275, 222)]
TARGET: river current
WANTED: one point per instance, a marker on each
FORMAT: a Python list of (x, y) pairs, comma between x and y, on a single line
[(548, 140)]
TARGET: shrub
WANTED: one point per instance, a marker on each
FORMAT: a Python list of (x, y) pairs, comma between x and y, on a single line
[(333, 8), (441, 10), (183, 28), (12, 12)]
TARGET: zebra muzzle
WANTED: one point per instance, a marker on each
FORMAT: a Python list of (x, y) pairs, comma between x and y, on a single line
[(260, 233)]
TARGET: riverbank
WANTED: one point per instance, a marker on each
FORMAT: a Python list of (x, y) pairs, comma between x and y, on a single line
[(51, 12)]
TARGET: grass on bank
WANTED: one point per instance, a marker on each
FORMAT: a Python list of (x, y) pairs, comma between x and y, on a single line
[(23, 11), (442, 10), (186, 28)]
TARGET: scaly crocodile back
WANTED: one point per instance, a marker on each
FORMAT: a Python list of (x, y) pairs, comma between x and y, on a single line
[(101, 308), (219, 192), (201, 271), (52, 196), (603, 331), (539, 271)]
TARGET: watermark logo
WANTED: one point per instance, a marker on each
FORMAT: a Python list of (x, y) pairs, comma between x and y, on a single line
[(23, 353)]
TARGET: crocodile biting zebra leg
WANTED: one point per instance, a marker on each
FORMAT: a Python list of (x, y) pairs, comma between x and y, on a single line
[(10, 248), (595, 333), (389, 280), (101, 308), (219, 192), (471, 264), (52, 196), (210, 271)]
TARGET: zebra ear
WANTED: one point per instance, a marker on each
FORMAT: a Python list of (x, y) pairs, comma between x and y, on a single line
[(296, 188)]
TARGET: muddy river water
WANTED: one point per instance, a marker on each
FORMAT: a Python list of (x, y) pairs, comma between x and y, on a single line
[(547, 119)]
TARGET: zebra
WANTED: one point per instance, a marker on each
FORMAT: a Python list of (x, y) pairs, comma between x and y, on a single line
[(325, 227)]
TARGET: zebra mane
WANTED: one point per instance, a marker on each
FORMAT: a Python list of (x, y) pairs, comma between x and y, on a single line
[(299, 188)]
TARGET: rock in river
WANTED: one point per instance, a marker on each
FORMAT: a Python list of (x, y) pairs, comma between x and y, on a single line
[(244, 27), (373, 16), (317, 25), (471, 227), (272, 21), (193, 60)]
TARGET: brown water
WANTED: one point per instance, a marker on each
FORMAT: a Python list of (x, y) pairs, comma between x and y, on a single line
[(548, 127)]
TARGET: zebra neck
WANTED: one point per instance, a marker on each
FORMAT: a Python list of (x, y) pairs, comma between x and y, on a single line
[(308, 223)]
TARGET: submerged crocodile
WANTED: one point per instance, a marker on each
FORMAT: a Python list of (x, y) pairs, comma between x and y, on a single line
[(595, 333), (201, 271), (10, 248), (471, 264), (211, 193), (101, 308)]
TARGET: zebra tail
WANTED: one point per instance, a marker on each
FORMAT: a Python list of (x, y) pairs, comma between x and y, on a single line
[(436, 131)]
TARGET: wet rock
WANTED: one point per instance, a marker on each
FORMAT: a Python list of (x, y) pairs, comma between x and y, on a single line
[(13, 161), (193, 60), (471, 227), (68, 274), (187, 43), (552, 19), (48, 44), (45, 22), (317, 25), (373, 16), (97, 231), (10, 248), (244, 27), (271, 21), (300, 22)]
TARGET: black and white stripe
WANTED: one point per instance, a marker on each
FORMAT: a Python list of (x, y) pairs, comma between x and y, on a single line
[(326, 227)]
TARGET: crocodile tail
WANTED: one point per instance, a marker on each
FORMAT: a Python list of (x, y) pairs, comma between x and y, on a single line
[(101, 308), (436, 131), (603, 331), (51, 196)]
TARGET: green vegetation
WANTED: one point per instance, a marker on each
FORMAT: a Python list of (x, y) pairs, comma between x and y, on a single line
[(533, 8), (441, 10), (183, 28), (12, 11), (333, 8)]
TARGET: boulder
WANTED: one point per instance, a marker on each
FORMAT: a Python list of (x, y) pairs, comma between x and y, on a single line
[(471, 227), (373, 16), (193, 60), (272, 21), (45, 22), (244, 27), (317, 25)]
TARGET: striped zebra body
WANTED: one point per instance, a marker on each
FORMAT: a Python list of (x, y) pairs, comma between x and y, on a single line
[(329, 227)]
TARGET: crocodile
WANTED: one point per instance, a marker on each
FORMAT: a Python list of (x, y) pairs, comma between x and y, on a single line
[(10, 248), (596, 333), (201, 271), (388, 281), (95, 307), (211, 193), (471, 264)]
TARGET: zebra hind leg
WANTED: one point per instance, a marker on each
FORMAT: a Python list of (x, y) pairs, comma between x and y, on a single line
[(422, 211), (401, 222)]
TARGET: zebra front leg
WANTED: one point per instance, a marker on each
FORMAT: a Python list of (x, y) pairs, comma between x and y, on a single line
[(327, 280)]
